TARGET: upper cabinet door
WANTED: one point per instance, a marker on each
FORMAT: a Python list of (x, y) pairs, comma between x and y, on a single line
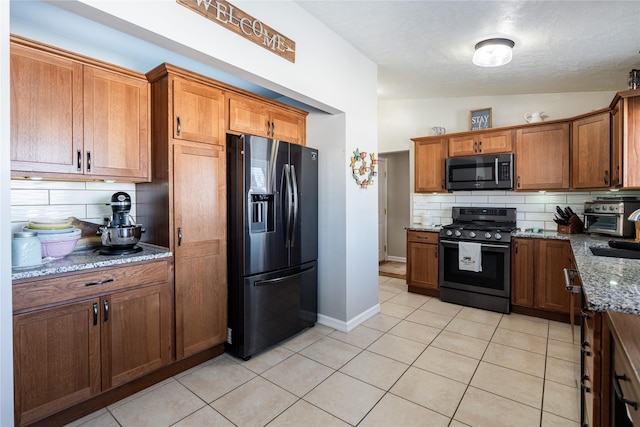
[(46, 112), (289, 127), (429, 165), (481, 143), (247, 116), (542, 157), (590, 152), (116, 125), (198, 112)]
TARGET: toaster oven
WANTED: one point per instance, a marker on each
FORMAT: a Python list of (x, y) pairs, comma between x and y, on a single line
[(609, 216)]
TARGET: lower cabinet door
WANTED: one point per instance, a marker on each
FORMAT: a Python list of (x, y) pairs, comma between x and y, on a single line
[(56, 359), (423, 270), (136, 333)]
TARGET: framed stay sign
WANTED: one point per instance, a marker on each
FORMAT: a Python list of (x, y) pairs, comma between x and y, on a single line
[(481, 119)]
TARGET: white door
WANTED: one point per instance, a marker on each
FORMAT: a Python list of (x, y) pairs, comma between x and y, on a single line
[(382, 210)]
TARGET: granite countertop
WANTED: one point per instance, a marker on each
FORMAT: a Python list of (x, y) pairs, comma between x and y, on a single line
[(609, 283), (87, 259)]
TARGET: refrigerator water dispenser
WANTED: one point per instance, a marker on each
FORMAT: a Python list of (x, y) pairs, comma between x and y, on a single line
[(262, 213)]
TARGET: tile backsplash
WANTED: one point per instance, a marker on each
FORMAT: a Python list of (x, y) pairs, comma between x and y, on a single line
[(534, 209), (88, 201)]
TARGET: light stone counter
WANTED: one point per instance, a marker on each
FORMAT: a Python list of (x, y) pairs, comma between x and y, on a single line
[(609, 283), (87, 259)]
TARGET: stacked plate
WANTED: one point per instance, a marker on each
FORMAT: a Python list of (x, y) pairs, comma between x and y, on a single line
[(58, 236)]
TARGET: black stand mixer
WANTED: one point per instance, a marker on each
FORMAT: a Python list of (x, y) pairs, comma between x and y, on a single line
[(121, 234)]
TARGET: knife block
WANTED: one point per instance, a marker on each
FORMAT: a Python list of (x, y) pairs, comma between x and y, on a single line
[(576, 226)]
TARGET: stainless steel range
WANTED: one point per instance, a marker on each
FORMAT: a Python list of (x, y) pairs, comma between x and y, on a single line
[(475, 258)]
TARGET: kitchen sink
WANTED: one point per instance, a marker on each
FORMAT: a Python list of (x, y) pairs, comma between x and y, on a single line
[(615, 252)]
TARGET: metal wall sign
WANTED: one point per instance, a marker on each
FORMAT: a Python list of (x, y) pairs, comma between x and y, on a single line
[(224, 13)]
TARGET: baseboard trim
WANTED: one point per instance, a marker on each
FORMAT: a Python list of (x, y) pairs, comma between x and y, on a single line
[(343, 326), (396, 259)]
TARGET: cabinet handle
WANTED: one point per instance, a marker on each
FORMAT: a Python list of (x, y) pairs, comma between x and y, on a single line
[(442, 184), (79, 161), (475, 147), (606, 177), (585, 344), (618, 390), (585, 315), (102, 282), (273, 129), (95, 314), (480, 147), (106, 311), (516, 247), (179, 236), (88, 161), (618, 175), (178, 126), (435, 251), (518, 181), (586, 352), (585, 388)]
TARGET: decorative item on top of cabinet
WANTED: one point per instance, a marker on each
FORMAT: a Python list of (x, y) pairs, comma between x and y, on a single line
[(422, 262), (73, 117), (261, 118), (481, 143), (626, 138), (590, 151), (480, 119), (73, 341), (430, 154), (184, 208), (542, 157)]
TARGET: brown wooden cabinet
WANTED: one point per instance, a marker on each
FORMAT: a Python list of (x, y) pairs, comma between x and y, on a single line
[(626, 137), (76, 118), (617, 123), (542, 157), (429, 156), (260, 118), (87, 339), (537, 274), (422, 262), (481, 143), (590, 152), (184, 208)]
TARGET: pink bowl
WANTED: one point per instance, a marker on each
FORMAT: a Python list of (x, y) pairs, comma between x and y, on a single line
[(58, 248)]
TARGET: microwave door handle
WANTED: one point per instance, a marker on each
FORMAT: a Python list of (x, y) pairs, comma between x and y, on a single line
[(496, 171)]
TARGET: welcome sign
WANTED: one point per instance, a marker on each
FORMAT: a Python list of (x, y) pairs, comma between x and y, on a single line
[(234, 19)]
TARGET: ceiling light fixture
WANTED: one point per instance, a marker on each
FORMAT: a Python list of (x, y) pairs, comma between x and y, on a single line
[(493, 52)]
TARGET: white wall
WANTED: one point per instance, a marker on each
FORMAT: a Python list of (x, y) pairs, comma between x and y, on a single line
[(6, 323), (401, 120)]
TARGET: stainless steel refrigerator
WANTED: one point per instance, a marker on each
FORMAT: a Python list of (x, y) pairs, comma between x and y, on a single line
[(272, 241)]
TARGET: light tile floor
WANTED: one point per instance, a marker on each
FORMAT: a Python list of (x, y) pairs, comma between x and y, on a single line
[(419, 362)]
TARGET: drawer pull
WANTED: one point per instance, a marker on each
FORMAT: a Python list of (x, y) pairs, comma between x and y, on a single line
[(106, 311), (585, 388), (586, 352), (95, 314), (585, 315), (99, 283), (585, 344), (618, 390)]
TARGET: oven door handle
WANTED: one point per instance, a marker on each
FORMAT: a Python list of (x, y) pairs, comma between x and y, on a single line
[(485, 245), (605, 215)]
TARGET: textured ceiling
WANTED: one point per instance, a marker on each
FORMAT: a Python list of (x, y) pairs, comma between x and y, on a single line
[(424, 48)]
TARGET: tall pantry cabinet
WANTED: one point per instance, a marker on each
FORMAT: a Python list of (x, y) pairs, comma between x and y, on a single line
[(184, 207)]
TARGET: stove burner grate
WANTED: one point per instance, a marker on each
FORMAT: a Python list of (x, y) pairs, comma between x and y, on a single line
[(112, 250)]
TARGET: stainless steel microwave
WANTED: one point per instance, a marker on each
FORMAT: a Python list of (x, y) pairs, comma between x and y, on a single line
[(483, 172)]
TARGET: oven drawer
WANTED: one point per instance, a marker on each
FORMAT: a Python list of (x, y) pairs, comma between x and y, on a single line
[(422, 237)]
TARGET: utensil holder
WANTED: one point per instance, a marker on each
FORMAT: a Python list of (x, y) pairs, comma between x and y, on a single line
[(576, 226)]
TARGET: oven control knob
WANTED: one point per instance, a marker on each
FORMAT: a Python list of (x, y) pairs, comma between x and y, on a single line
[(487, 235), (449, 232), (458, 233), (498, 236), (611, 207), (472, 234)]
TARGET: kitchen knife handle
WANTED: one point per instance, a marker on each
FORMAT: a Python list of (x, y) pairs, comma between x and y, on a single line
[(179, 236), (88, 161), (178, 126), (79, 161)]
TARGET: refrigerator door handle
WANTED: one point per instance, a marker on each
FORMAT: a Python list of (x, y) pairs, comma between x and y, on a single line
[(289, 206), (294, 193), (280, 279)]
